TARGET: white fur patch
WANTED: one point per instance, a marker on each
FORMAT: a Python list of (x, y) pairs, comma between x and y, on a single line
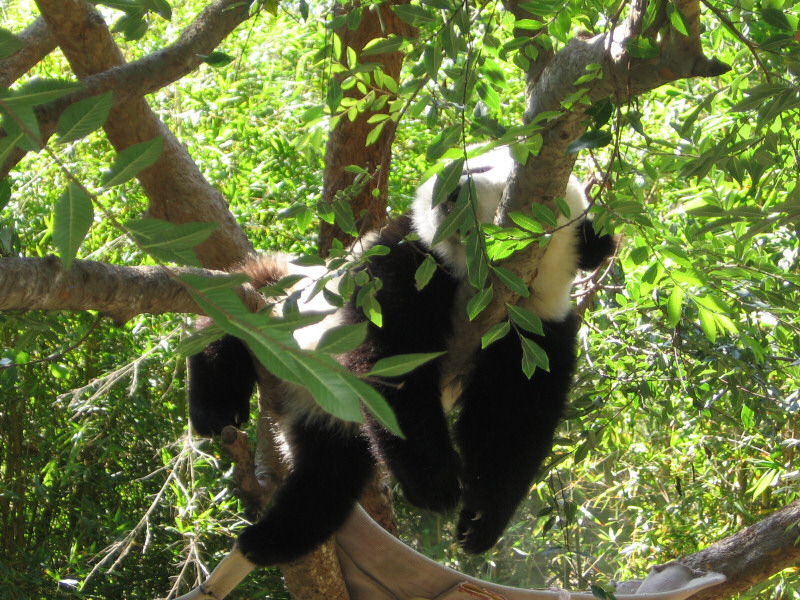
[(308, 337), (550, 293), (490, 173)]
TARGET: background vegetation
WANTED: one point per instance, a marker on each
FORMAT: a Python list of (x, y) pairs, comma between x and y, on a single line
[(684, 424)]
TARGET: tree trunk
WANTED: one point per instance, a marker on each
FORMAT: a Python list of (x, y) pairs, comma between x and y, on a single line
[(347, 143)]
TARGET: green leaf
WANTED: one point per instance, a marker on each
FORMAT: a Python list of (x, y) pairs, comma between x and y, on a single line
[(343, 216), (674, 305), (9, 43), (28, 138), (748, 417), (7, 145), (217, 59), (73, 215), (384, 45), (459, 218), (767, 479), (161, 8), (525, 319), (594, 138), (413, 14), (533, 357), (677, 19), (334, 95), (39, 91), (511, 281), (495, 333), (707, 324), (432, 58), (83, 117), (641, 47), (401, 364), (544, 215), (370, 305), (425, 271), (121, 5), (374, 134), (447, 181), (776, 19), (198, 340), (343, 338), (526, 222), (132, 160), (477, 265), (478, 302), (443, 142), (170, 242)]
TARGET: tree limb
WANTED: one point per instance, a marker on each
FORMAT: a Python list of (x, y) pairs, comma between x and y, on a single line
[(134, 80), (37, 42), (751, 555), (115, 291), (177, 190), (544, 176)]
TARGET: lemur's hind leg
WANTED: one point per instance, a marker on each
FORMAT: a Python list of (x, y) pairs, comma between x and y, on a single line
[(331, 467)]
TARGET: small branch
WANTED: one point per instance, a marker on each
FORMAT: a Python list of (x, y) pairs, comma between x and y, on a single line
[(254, 493), (115, 291)]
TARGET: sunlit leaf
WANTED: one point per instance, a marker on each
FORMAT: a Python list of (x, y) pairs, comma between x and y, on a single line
[(83, 117), (73, 215), (133, 160)]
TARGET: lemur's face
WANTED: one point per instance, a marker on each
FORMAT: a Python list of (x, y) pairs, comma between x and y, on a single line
[(488, 183)]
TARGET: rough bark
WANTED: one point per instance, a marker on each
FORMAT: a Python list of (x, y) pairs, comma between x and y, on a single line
[(347, 141), (37, 42), (129, 81), (174, 185), (550, 81), (752, 555), (116, 291)]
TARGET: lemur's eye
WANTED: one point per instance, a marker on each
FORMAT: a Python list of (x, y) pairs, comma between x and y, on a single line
[(452, 197)]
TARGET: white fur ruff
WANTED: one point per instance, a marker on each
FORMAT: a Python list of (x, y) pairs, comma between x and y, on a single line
[(550, 292)]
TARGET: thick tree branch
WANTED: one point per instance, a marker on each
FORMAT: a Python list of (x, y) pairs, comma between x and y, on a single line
[(129, 81), (134, 80), (176, 188), (37, 42), (752, 555), (115, 291), (548, 88)]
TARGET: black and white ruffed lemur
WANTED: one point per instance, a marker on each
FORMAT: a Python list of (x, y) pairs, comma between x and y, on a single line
[(506, 421)]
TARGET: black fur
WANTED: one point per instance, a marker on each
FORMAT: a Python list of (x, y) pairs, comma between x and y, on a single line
[(221, 380), (503, 432)]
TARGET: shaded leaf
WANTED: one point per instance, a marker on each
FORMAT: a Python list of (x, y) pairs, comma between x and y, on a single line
[(394, 366)]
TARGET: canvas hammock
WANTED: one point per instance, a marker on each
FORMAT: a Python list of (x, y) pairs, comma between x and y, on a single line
[(378, 566)]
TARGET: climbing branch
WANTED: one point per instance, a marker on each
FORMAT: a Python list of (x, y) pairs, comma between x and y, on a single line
[(116, 291), (551, 87), (751, 555)]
